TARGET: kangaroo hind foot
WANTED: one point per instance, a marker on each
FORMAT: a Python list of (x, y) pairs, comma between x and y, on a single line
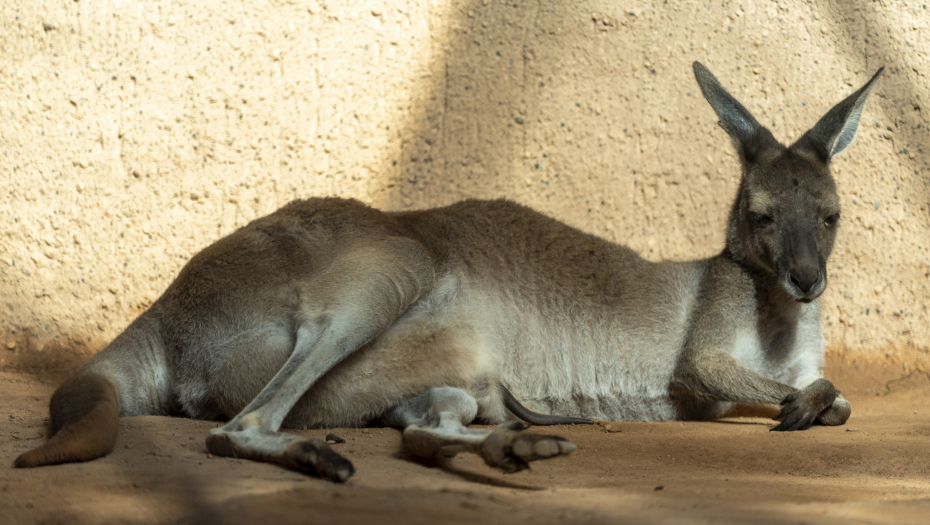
[(435, 428), (257, 443)]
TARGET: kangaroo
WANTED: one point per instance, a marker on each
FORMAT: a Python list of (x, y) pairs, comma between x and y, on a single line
[(328, 313)]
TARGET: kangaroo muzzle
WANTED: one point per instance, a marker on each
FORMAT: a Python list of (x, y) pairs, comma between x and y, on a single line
[(803, 276)]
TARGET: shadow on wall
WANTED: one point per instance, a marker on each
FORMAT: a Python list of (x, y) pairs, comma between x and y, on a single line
[(589, 112), (866, 29), (583, 110), (887, 204)]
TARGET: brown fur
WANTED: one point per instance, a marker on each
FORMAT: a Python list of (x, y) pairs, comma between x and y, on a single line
[(85, 422)]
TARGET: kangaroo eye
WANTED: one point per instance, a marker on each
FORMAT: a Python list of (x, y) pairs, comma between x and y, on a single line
[(831, 221), (761, 219)]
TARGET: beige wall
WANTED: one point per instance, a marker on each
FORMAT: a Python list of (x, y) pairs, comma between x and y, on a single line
[(133, 133)]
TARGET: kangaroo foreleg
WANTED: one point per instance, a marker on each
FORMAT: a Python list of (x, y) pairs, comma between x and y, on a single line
[(837, 413), (517, 409), (719, 377), (716, 376)]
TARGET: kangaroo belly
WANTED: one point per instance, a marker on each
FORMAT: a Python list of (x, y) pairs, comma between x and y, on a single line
[(624, 381), (613, 363)]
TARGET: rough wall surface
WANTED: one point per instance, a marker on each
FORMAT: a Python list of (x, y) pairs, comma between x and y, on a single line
[(133, 134)]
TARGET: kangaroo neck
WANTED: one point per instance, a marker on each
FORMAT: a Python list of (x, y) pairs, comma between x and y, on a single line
[(773, 304)]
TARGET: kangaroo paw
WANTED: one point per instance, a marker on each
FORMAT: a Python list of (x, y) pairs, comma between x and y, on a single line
[(801, 409), (837, 413)]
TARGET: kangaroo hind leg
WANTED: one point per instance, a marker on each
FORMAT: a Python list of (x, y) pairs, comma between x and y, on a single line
[(348, 303), (435, 426)]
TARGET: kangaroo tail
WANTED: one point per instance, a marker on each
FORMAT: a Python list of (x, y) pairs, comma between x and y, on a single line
[(129, 377), (517, 409), (85, 422)]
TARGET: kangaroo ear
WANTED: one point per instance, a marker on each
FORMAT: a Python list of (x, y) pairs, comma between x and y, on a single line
[(747, 134), (837, 128)]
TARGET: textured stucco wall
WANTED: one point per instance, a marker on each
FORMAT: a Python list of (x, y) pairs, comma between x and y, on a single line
[(132, 134)]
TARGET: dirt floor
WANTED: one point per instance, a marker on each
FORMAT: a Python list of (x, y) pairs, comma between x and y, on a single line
[(875, 469)]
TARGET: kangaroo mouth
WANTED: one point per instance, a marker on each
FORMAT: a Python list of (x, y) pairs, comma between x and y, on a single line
[(803, 298)]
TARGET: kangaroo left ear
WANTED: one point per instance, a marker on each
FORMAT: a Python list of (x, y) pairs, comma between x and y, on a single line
[(749, 137), (836, 130)]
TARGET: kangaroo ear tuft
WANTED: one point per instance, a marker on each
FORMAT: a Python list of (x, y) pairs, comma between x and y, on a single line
[(836, 130), (747, 134)]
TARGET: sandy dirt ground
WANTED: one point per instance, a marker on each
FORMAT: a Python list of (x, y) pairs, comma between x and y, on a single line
[(875, 469)]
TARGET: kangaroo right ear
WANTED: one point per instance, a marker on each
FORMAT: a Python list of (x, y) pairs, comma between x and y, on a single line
[(837, 128), (747, 134)]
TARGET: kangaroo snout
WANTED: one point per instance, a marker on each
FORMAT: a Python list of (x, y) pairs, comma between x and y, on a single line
[(803, 262), (808, 282), (803, 272)]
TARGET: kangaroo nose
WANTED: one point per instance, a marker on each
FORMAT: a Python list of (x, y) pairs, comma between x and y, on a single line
[(805, 279)]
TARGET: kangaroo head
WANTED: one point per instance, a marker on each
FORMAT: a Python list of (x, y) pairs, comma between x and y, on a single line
[(784, 220)]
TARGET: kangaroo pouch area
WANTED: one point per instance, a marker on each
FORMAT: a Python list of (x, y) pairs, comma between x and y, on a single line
[(873, 469)]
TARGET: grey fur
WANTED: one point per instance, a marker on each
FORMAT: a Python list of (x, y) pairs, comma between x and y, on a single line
[(330, 313)]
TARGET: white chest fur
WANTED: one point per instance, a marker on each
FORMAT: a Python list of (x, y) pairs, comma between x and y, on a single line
[(796, 361)]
